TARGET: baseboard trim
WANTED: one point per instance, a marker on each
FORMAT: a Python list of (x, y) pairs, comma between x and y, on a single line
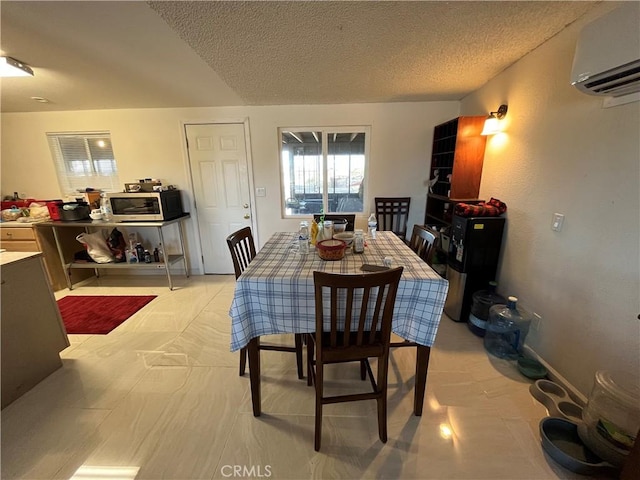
[(554, 376)]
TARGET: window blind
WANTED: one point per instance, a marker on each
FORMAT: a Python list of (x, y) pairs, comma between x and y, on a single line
[(84, 160)]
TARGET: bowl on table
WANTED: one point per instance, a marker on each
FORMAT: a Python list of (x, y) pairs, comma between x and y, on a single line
[(339, 225), (346, 237), (331, 249), (11, 214)]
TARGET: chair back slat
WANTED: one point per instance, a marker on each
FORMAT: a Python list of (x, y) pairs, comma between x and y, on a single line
[(334, 316), (367, 299), (362, 320), (423, 242), (242, 248), (377, 313), (392, 214), (348, 317)]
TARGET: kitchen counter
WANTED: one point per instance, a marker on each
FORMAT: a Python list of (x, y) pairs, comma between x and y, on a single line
[(32, 332), (58, 228), (15, 223), (104, 223), (25, 237), (10, 257)]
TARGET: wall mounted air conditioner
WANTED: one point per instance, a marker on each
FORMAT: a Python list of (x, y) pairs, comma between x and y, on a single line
[(607, 57)]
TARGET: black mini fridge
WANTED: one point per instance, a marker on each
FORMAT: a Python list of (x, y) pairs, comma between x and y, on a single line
[(474, 250)]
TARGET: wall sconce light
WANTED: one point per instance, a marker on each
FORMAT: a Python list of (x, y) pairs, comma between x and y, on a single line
[(10, 67), (492, 124)]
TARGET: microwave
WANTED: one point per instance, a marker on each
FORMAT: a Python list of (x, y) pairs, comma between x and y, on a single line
[(146, 206)]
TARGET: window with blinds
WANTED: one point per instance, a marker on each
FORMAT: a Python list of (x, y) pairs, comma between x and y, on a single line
[(84, 160)]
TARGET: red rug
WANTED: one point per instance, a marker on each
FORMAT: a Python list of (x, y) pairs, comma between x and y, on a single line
[(99, 314)]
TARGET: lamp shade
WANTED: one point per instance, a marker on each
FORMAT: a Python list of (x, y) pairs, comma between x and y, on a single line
[(492, 123), (491, 126)]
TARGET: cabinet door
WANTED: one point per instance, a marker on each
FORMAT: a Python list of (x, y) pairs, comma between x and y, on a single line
[(468, 159), (47, 245), (19, 245)]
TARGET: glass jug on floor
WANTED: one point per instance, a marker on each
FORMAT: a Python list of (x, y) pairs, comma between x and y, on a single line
[(507, 328)]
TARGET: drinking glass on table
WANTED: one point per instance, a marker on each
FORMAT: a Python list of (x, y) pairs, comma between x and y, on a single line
[(328, 229)]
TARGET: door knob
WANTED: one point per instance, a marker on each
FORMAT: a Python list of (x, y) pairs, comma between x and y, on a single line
[(246, 205), (247, 217)]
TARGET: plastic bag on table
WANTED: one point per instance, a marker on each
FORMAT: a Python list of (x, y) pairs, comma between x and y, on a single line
[(96, 246)]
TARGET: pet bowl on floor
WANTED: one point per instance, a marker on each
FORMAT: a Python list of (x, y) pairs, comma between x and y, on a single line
[(531, 368), (556, 399), (562, 443)]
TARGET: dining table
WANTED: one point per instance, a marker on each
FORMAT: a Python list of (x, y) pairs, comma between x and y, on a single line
[(275, 295)]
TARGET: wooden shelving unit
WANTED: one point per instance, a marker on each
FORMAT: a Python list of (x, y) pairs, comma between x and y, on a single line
[(457, 156)]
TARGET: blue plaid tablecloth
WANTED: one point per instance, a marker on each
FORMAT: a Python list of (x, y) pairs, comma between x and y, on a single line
[(275, 294)]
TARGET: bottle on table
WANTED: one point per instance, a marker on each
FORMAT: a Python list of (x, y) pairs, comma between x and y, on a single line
[(372, 223), (105, 207), (156, 255), (131, 255), (327, 230), (140, 252), (303, 238), (320, 235), (358, 241), (314, 233)]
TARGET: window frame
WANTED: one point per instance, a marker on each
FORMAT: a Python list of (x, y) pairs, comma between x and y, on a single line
[(67, 181), (324, 131)]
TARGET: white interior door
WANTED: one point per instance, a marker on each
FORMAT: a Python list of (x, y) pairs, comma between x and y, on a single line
[(220, 177)]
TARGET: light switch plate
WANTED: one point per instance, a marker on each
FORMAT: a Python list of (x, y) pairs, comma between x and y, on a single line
[(261, 192), (558, 220)]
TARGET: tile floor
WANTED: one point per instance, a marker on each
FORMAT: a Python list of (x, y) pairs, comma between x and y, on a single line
[(160, 397)]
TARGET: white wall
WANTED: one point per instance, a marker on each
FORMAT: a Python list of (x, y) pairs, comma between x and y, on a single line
[(150, 143), (562, 152)]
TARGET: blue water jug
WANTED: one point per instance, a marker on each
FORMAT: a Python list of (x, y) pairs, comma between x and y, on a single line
[(482, 301), (506, 330)]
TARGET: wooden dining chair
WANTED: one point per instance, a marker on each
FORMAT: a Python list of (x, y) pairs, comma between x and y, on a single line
[(423, 242), (353, 324), (243, 250), (392, 214), (350, 218)]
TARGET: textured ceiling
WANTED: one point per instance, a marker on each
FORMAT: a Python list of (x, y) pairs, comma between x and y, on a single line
[(344, 52), (94, 55)]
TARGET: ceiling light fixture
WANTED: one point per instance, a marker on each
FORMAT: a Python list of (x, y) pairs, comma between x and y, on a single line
[(10, 67), (492, 124)]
